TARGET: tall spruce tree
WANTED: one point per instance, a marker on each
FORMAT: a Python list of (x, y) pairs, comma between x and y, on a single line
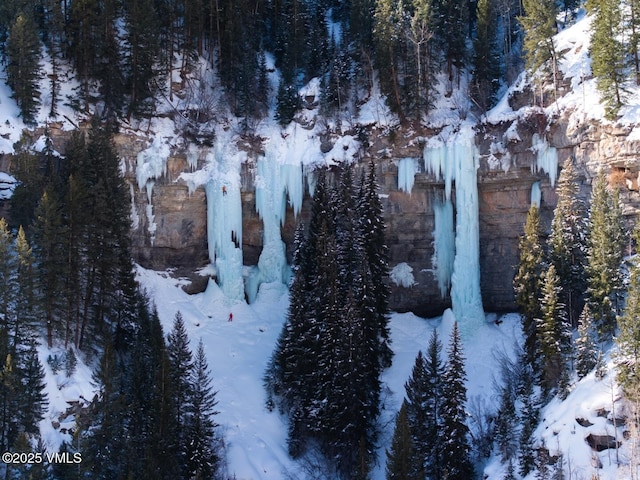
[(48, 235), (454, 432), (32, 399), (402, 464), (586, 348), (203, 457), (27, 308), (486, 57), (23, 68), (539, 24), (567, 242), (8, 286), (605, 251), (628, 338), (180, 370), (527, 283), (529, 415), (553, 333), (607, 53), (372, 228), (424, 392)]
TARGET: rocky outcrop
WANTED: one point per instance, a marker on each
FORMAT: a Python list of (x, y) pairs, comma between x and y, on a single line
[(170, 224), (505, 179)]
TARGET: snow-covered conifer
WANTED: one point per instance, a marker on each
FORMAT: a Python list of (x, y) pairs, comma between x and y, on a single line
[(567, 241), (527, 283), (586, 348), (454, 432)]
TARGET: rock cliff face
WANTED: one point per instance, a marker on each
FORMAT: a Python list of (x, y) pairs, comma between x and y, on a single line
[(505, 179), (170, 222)]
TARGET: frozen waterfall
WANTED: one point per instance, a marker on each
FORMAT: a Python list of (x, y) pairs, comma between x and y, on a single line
[(455, 158), (224, 223), (407, 168), (546, 158), (274, 182), (443, 244)]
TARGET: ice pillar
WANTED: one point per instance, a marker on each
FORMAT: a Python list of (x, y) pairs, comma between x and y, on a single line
[(224, 223), (275, 181), (455, 158)]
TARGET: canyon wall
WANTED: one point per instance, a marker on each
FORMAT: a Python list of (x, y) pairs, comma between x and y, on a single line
[(505, 178)]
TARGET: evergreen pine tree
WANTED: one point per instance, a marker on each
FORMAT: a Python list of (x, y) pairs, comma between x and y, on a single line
[(586, 348), (486, 58), (32, 400), (203, 458), (424, 408), (454, 433), (628, 338), (401, 461), (48, 235), (9, 386), (567, 242), (453, 28), (607, 53), (527, 283), (387, 32), (529, 420), (372, 229), (605, 250), (506, 421), (23, 54), (288, 102), (27, 312), (553, 333), (180, 370), (8, 287), (539, 24), (142, 55)]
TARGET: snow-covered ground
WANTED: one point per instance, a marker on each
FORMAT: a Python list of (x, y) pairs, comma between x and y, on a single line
[(238, 352)]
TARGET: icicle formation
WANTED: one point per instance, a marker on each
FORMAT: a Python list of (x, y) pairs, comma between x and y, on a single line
[(151, 163), (274, 181), (547, 158), (407, 168), (536, 194), (456, 158), (224, 223), (443, 244)]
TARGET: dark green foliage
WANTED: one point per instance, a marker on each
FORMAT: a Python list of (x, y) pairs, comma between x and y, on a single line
[(325, 370), (180, 364), (23, 68), (454, 433), (628, 338), (527, 283), (506, 420), (288, 103), (529, 420), (32, 400), (453, 28), (8, 286), (48, 236), (567, 242), (203, 457), (607, 53), (539, 24), (142, 54), (605, 250), (553, 333), (586, 348), (486, 59), (424, 408), (372, 229), (401, 461)]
